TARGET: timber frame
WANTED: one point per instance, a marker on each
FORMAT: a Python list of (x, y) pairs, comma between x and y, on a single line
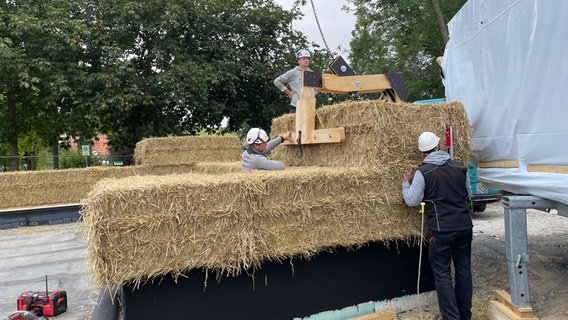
[(342, 81)]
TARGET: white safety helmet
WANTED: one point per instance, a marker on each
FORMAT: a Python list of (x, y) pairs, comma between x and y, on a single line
[(256, 136), (427, 141), (302, 53)]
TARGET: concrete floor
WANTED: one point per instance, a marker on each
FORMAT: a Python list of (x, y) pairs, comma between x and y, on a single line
[(27, 254)]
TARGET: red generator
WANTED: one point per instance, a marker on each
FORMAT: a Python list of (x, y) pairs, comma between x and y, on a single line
[(43, 303)]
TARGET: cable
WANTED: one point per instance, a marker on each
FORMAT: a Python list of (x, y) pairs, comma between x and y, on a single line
[(319, 27), (422, 204), (420, 259)]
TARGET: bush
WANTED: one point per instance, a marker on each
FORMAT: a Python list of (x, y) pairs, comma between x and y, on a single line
[(75, 159)]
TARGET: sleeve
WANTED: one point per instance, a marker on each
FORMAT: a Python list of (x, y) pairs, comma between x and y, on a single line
[(414, 193), (273, 144), (267, 164), (282, 80)]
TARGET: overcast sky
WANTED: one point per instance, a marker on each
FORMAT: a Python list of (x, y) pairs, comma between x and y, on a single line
[(335, 23)]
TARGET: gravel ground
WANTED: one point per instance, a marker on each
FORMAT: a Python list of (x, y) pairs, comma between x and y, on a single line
[(548, 264)]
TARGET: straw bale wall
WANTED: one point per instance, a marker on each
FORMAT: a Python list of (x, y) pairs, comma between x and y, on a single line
[(52, 187), (217, 167), (141, 227), (377, 133), (345, 194), (163, 156), (187, 150), (227, 221)]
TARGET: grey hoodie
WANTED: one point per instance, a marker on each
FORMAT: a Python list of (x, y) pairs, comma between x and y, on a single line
[(254, 159), (291, 79)]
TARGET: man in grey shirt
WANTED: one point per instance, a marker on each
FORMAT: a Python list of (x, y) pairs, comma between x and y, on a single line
[(289, 82), (254, 157)]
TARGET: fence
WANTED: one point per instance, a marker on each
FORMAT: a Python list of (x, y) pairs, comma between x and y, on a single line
[(45, 162)]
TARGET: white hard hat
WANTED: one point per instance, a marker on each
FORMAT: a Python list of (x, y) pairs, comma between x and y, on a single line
[(302, 53), (427, 141), (256, 136)]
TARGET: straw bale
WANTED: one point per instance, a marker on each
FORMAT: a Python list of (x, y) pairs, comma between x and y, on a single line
[(138, 228), (51, 187), (218, 167), (377, 133), (187, 150)]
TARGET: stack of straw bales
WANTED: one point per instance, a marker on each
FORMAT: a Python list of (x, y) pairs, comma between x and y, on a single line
[(154, 156), (54, 187), (377, 133), (139, 228), (344, 194), (187, 150)]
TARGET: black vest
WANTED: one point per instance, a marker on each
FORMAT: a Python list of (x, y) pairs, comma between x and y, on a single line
[(445, 195)]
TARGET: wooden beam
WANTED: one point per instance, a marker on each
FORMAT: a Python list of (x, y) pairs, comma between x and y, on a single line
[(379, 315), (499, 164), (503, 309), (562, 169), (332, 135), (547, 168), (357, 83)]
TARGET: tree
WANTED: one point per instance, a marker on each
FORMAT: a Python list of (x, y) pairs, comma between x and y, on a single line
[(402, 36), (40, 72), (137, 69), (179, 67)]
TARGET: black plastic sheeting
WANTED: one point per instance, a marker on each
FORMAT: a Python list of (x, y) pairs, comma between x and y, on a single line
[(26, 217), (107, 307), (285, 290)]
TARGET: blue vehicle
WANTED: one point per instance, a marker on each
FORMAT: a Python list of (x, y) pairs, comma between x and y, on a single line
[(481, 195)]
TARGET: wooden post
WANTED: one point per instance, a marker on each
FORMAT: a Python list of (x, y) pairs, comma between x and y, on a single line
[(306, 121)]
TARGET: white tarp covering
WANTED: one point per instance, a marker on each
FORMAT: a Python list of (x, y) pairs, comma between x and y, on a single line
[(507, 62)]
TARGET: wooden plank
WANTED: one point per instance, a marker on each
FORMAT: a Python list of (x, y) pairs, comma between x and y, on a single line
[(504, 298), (379, 315), (499, 164), (498, 311), (357, 83), (562, 169), (547, 168), (332, 135)]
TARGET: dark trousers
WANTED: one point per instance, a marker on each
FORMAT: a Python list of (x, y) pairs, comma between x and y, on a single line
[(445, 247), (292, 109)]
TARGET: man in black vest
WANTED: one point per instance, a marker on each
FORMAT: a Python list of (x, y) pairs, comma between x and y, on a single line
[(443, 185)]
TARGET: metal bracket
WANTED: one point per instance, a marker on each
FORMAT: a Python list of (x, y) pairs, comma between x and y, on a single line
[(313, 79), (397, 83), (340, 67), (515, 214)]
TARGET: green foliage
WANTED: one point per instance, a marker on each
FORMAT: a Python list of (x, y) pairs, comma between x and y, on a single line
[(74, 158), (40, 71), (138, 69), (394, 36), (179, 67)]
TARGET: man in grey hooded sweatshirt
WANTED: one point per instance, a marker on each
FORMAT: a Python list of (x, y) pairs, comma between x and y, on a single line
[(254, 157), (289, 82), (443, 185)]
